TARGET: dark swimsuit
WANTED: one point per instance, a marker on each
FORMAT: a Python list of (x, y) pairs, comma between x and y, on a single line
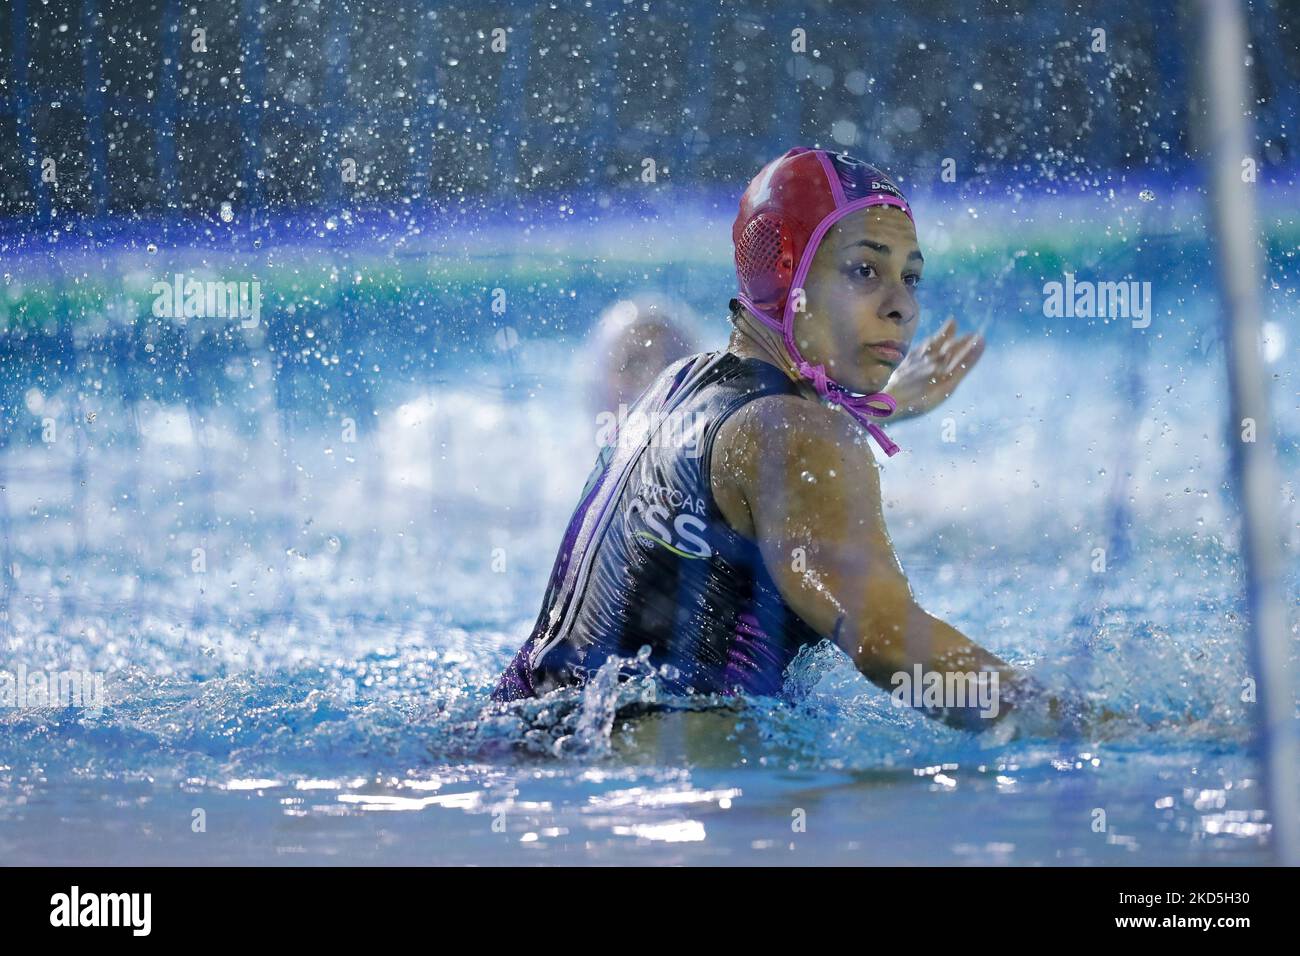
[(649, 560)]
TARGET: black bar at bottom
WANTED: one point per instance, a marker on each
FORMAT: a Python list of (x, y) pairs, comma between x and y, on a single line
[(920, 905)]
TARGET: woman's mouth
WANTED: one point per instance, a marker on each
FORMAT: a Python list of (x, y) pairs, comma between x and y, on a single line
[(890, 352)]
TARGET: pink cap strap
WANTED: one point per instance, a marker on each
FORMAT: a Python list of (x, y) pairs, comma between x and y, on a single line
[(862, 408)]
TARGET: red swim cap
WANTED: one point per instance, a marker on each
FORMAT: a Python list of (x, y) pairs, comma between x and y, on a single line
[(784, 213), (787, 209)]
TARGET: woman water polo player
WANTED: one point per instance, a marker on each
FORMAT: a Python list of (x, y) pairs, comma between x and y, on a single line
[(755, 526)]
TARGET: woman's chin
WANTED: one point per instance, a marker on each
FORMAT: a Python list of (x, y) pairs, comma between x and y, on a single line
[(862, 380), (866, 384)]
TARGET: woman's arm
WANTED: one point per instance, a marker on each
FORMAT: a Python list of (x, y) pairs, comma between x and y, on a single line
[(799, 478)]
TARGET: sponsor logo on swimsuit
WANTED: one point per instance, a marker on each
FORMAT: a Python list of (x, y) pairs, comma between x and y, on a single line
[(1085, 299), (637, 429), (946, 690), (670, 518)]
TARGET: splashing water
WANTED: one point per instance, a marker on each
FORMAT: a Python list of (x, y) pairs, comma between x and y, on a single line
[(319, 691)]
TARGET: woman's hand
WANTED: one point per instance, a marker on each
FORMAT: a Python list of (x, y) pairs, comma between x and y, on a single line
[(1068, 714), (932, 370)]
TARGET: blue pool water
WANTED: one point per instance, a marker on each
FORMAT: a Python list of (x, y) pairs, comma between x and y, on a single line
[(319, 693)]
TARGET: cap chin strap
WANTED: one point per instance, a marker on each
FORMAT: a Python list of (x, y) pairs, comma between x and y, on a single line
[(861, 408)]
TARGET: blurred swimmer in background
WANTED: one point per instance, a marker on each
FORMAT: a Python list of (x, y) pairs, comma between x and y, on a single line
[(635, 339)]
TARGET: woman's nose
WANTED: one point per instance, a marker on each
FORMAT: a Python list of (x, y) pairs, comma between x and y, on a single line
[(899, 308)]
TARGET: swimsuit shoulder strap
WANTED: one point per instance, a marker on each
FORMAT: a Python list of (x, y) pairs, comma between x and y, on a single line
[(752, 380)]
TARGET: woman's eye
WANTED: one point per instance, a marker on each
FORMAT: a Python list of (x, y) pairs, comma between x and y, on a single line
[(866, 272), (912, 280)]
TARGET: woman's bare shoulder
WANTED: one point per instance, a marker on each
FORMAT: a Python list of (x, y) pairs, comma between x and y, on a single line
[(780, 442)]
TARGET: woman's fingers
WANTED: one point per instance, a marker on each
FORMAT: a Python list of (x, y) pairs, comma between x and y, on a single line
[(965, 352), (940, 340), (936, 343)]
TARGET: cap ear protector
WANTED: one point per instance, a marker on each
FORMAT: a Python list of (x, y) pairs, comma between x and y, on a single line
[(765, 258), (784, 213)]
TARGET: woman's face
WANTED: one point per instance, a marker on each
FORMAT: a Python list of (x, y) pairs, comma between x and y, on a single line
[(860, 298)]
